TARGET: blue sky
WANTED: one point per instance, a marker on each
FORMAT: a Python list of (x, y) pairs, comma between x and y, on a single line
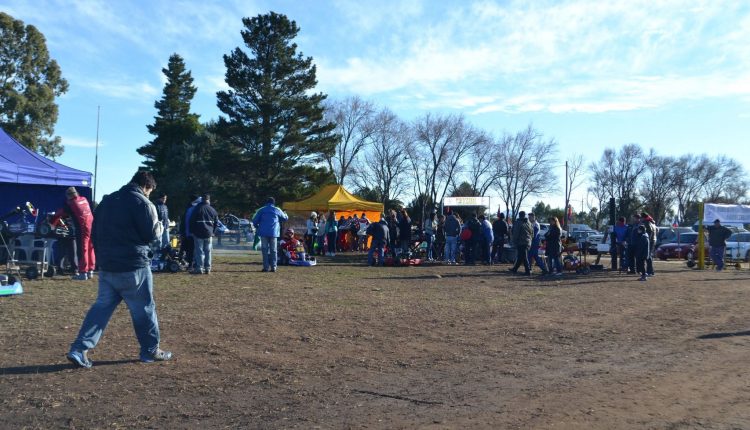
[(669, 75)]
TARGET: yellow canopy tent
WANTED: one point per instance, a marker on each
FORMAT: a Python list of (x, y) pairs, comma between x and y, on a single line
[(336, 198)]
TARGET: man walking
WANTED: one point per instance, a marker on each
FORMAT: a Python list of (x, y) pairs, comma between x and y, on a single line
[(536, 241), (267, 223), (632, 236), (125, 224), (77, 207), (204, 223), (521, 235), (379, 233), (717, 240)]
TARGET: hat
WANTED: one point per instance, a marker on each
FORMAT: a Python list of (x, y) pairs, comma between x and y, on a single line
[(313, 214), (717, 220), (271, 201)]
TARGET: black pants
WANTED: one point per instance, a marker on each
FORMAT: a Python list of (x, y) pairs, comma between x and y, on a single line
[(641, 265), (187, 249), (497, 250), (630, 259), (522, 257), (470, 250)]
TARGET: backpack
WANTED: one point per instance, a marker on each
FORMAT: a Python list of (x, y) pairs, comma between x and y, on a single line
[(465, 234)]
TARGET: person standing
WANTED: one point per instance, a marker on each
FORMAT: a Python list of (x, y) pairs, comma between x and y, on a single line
[(310, 232), (203, 225), (452, 230), (651, 230), (187, 245), (553, 249), (429, 226), (379, 233), (717, 241), (499, 234), (471, 244), (77, 207), (641, 251), (521, 235), (404, 230), (619, 239), (332, 227), (364, 223), (125, 224), (536, 241), (440, 239), (487, 239), (268, 221), (163, 212), (320, 235), (393, 231), (632, 235)]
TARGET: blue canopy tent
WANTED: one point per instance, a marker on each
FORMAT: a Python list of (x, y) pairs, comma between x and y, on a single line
[(26, 176)]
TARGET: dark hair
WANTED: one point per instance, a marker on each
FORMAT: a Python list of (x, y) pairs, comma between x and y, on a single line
[(206, 197), (162, 195), (144, 179), (271, 200), (622, 219)]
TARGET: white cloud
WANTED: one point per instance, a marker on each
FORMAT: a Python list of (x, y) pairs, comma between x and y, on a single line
[(586, 55), (123, 90), (80, 143)]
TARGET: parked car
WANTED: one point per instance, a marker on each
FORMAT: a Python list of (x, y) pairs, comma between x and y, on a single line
[(684, 249), (598, 243), (670, 234), (738, 247)]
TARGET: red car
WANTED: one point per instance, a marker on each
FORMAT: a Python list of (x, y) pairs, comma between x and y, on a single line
[(686, 248)]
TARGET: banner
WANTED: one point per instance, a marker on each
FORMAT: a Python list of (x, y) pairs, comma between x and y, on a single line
[(726, 213), (466, 201)]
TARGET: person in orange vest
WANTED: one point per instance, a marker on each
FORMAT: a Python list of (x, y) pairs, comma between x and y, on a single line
[(78, 209)]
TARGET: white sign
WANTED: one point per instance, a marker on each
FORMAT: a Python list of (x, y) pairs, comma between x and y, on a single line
[(466, 201), (726, 213)]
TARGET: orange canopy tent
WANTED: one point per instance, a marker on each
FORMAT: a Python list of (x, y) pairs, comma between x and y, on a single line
[(336, 198)]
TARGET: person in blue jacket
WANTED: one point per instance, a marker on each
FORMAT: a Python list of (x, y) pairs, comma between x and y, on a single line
[(641, 251), (267, 224)]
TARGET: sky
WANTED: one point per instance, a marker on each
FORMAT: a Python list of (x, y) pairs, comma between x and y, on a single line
[(671, 75)]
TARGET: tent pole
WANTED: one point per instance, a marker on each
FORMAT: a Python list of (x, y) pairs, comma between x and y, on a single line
[(701, 242), (96, 155)]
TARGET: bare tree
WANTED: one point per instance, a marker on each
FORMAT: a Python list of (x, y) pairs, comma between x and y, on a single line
[(597, 199), (525, 160), (573, 170), (618, 173), (729, 184), (353, 119), (657, 185), (483, 173), (440, 145), (691, 174), (385, 163)]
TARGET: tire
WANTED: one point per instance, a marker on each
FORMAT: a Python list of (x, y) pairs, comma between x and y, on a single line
[(747, 257), (690, 256), (173, 267), (51, 271), (32, 273), (691, 264)]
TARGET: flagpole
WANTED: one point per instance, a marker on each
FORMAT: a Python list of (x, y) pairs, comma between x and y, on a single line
[(96, 156)]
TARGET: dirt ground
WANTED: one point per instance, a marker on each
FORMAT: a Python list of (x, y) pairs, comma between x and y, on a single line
[(342, 345)]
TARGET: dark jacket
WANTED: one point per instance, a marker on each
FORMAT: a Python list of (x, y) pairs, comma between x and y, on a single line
[(452, 226), (522, 233), (392, 228), (379, 233), (642, 246), (124, 226), (554, 246), (404, 227), (163, 212), (500, 230), (717, 236), (475, 227), (204, 221)]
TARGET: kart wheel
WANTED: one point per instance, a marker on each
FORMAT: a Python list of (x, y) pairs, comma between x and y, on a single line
[(737, 266), (691, 264), (32, 273), (51, 271), (173, 267)]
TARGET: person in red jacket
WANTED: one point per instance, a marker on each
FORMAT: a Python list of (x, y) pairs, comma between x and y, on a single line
[(77, 207)]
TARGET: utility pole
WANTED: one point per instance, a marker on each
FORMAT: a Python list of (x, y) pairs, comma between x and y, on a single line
[(565, 216)]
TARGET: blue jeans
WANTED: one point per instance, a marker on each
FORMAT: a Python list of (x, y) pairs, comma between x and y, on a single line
[(165, 237), (137, 289), (717, 255), (203, 253), (268, 248), (555, 265), (430, 238), (535, 257), (450, 248), (379, 247)]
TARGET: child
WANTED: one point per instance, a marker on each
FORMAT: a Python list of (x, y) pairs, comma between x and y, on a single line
[(288, 247), (642, 251)]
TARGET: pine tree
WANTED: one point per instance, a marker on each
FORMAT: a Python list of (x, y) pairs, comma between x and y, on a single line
[(173, 125), (274, 138), (29, 82)]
